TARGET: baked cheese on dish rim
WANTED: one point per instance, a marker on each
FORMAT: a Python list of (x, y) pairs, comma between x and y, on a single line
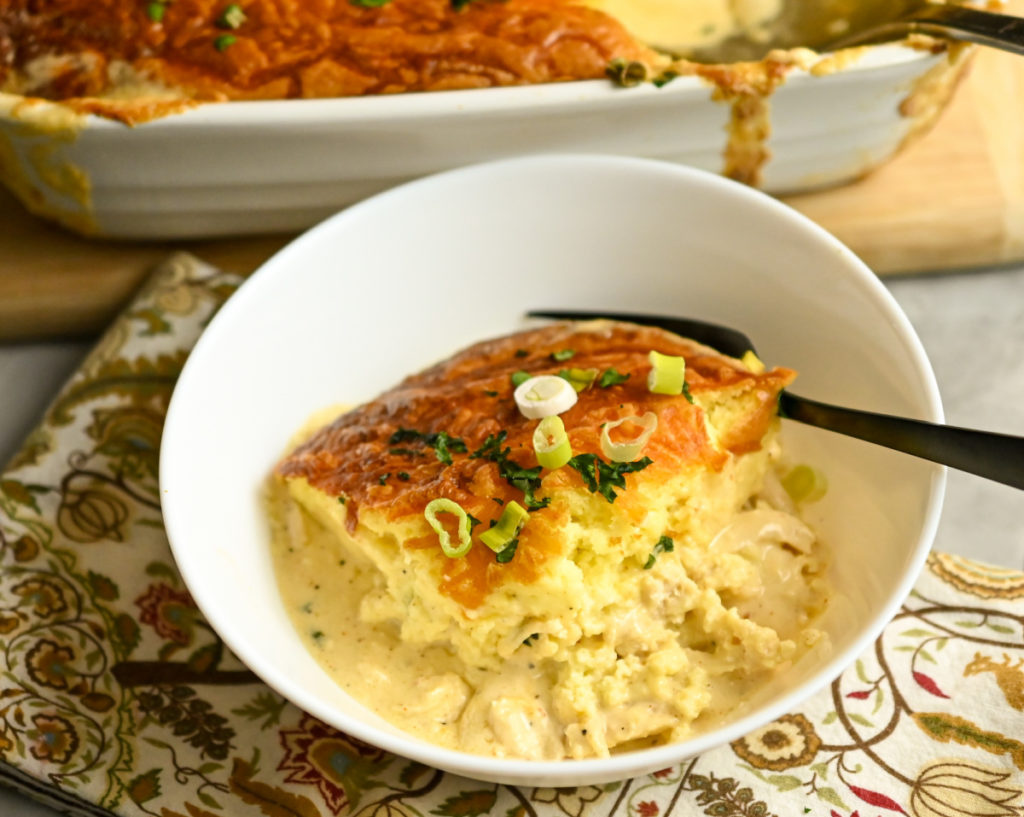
[(621, 576)]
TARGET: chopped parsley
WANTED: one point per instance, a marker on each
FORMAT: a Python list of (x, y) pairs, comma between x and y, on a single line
[(224, 42), (473, 521), (490, 392), (459, 5), (610, 377), (443, 445), (491, 448), (156, 11), (520, 377), (403, 475), (231, 17), (526, 480), (686, 391), (506, 553), (563, 355), (342, 499), (441, 441), (664, 545), (602, 477), (522, 353), (664, 79), (383, 478), (369, 4)]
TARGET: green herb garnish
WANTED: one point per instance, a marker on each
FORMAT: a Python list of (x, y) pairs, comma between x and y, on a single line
[(473, 521), (383, 478), (664, 545), (405, 452), (156, 11), (505, 555), (224, 42), (686, 391), (526, 480), (522, 353), (563, 355), (491, 447), (664, 79), (369, 4), (520, 377), (490, 392), (610, 377), (441, 441), (403, 475), (602, 477), (443, 446), (342, 499), (231, 17)]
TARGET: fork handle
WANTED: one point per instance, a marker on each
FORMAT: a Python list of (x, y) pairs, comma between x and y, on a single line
[(998, 457)]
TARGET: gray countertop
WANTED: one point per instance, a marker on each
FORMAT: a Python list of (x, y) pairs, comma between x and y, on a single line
[(972, 326)]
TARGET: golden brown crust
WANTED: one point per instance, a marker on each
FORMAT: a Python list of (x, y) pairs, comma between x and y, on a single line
[(469, 397), (320, 48)]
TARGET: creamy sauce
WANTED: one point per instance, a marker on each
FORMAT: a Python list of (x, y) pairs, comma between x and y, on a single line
[(669, 662), (681, 25)]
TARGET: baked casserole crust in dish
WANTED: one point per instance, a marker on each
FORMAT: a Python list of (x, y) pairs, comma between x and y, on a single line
[(209, 50), (333, 100)]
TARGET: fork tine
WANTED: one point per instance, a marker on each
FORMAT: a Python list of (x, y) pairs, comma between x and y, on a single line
[(721, 338)]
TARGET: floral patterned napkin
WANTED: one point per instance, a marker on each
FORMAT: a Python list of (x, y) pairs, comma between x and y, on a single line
[(116, 696)]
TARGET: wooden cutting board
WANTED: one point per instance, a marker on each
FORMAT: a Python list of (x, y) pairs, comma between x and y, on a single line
[(953, 200)]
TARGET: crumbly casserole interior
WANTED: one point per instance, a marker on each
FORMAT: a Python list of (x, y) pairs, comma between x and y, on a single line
[(638, 602)]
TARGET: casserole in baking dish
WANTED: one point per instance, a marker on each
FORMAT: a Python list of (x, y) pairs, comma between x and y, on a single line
[(293, 145)]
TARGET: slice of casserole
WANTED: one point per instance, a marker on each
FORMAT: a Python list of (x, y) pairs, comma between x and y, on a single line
[(620, 613)]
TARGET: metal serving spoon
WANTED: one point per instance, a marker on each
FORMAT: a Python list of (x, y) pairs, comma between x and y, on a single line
[(998, 457), (826, 25)]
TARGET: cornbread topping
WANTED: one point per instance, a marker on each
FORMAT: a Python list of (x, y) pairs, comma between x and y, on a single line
[(621, 577), (206, 50)]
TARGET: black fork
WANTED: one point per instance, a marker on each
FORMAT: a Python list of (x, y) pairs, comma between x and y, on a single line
[(999, 457)]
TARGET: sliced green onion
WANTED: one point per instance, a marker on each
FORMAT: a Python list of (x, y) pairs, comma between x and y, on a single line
[(752, 362), (518, 378), (668, 373), (628, 450), (513, 517), (231, 17), (563, 355), (442, 505), (544, 396), (552, 443), (579, 379), (805, 484)]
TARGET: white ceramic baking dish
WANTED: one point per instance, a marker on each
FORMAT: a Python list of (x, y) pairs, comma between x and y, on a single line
[(257, 167)]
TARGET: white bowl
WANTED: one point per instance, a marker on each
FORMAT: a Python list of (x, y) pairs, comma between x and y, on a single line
[(406, 278), (258, 167)]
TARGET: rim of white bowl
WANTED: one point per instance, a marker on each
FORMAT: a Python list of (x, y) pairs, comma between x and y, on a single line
[(628, 764), (398, 107)]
